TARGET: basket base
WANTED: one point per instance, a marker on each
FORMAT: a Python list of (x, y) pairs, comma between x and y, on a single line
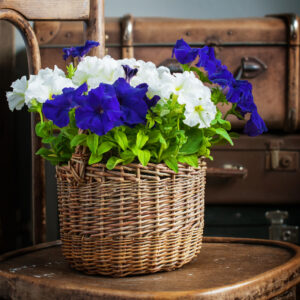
[(123, 257)]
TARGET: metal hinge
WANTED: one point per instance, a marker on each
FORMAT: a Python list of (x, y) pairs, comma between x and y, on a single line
[(278, 160), (280, 231)]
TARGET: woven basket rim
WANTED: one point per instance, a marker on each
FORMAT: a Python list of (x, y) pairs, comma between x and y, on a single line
[(79, 157), (81, 172)]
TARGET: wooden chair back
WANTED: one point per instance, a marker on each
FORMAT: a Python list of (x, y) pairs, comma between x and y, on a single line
[(19, 12)]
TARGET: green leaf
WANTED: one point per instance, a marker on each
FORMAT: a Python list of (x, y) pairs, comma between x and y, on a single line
[(193, 143), (121, 139), (44, 152), (200, 74), (127, 157), (134, 149), (234, 135), (225, 124), (92, 142), (48, 140), (191, 160), (163, 141), (171, 162), (70, 133), (72, 122), (141, 139), (223, 133), (172, 150), (79, 139), (43, 129), (154, 136), (112, 162), (95, 158), (144, 156), (70, 70), (104, 147), (186, 67), (217, 96)]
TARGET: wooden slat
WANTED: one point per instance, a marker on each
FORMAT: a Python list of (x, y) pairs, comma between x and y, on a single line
[(50, 9), (95, 27)]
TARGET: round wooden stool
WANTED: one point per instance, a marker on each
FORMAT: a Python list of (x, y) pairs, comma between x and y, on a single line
[(226, 268)]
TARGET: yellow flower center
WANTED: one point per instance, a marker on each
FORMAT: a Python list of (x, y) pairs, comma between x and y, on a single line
[(178, 88), (198, 108)]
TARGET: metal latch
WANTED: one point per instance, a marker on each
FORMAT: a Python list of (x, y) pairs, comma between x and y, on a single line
[(280, 231), (251, 67), (278, 160)]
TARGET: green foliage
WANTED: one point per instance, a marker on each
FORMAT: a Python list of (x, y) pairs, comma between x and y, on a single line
[(70, 70), (218, 97), (200, 74)]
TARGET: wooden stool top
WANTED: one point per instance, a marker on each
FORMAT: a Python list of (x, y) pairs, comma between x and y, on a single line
[(225, 269)]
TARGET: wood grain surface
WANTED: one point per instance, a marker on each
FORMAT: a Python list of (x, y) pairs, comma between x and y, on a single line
[(225, 269), (48, 9)]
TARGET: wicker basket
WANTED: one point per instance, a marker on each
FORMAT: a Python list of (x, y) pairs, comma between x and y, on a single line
[(131, 220)]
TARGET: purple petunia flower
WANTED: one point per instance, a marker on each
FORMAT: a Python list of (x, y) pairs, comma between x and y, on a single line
[(255, 126), (183, 52), (131, 101), (150, 102), (129, 72), (222, 77), (240, 92), (58, 109), (79, 51), (207, 60), (100, 112)]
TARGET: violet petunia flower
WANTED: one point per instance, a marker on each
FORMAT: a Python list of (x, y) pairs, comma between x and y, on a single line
[(255, 126), (207, 60), (58, 109), (150, 102), (129, 72), (79, 51), (222, 77), (183, 52), (132, 102), (240, 92), (100, 112)]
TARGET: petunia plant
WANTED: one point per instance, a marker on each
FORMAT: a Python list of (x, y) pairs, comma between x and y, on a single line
[(129, 110)]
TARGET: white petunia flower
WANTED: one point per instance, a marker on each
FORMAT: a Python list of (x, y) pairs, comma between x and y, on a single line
[(36, 90), (148, 73), (16, 98), (48, 82), (39, 87), (191, 92), (188, 87), (199, 112), (94, 71)]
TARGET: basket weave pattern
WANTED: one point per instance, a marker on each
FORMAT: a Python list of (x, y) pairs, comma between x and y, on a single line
[(130, 220)]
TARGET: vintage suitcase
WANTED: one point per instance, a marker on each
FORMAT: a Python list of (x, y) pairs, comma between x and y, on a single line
[(261, 171), (264, 50)]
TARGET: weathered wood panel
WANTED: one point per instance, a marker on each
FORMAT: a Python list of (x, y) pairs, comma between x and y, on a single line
[(50, 9), (225, 269)]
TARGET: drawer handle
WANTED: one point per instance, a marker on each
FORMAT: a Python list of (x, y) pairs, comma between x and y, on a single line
[(250, 67), (228, 171)]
